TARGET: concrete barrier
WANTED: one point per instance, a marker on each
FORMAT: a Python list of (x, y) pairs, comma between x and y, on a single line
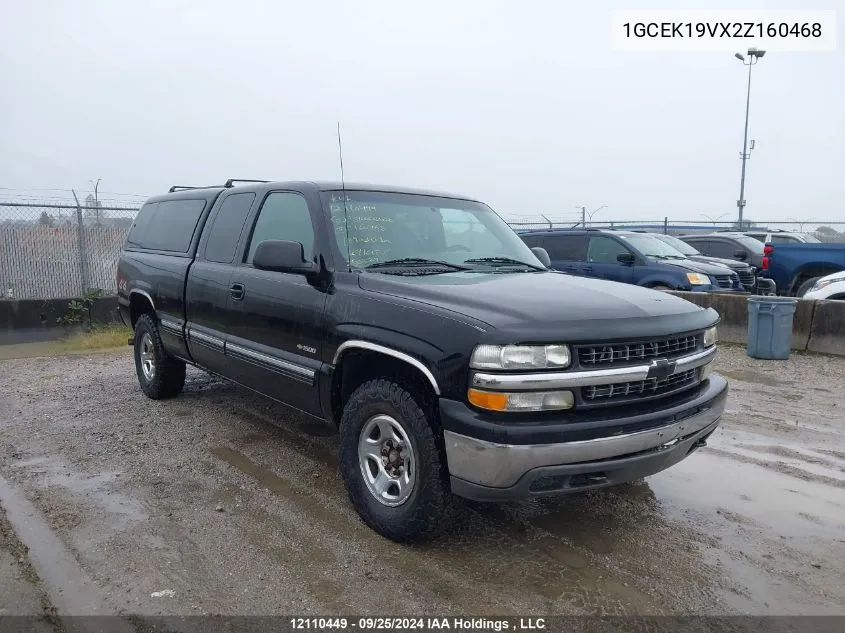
[(818, 326), (827, 334), (31, 320)]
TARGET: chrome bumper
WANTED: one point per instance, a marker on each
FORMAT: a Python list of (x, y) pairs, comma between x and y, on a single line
[(502, 466)]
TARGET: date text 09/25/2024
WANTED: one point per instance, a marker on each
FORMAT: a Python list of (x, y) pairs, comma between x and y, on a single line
[(464, 624)]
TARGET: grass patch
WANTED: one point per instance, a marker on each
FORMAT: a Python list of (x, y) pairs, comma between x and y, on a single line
[(100, 337)]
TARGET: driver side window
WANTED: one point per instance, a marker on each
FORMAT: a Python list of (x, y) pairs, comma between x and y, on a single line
[(283, 216), (603, 250)]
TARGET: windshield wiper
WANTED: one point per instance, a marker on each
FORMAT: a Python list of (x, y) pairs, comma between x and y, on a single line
[(412, 262), (507, 261)]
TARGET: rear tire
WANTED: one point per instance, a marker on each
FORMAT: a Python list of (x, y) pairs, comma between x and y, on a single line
[(806, 286), (402, 490), (159, 374)]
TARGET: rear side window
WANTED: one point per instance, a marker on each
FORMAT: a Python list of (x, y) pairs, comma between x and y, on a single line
[(226, 230), (166, 226), (703, 246), (532, 240), (723, 249), (283, 216), (567, 248)]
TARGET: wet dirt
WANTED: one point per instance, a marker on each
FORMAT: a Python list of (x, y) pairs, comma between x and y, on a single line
[(222, 502)]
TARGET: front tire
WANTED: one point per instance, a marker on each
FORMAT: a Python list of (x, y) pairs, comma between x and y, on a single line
[(393, 463), (159, 374)]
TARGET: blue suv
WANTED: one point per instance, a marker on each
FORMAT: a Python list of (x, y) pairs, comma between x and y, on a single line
[(630, 257)]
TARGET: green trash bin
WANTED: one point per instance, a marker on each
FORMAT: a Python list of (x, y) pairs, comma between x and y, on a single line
[(770, 327)]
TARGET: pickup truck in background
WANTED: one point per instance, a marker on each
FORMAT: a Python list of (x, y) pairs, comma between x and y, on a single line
[(448, 356), (795, 268)]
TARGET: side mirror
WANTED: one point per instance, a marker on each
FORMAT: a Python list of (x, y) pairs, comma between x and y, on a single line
[(626, 258), (541, 254), (740, 254), (282, 256)]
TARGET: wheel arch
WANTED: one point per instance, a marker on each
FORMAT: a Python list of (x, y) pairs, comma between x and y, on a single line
[(358, 361), (140, 302), (809, 271)]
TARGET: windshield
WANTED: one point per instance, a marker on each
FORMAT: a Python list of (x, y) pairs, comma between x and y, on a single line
[(678, 244), (384, 227), (650, 246)]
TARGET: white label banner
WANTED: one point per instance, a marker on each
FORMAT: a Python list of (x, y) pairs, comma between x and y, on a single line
[(723, 30)]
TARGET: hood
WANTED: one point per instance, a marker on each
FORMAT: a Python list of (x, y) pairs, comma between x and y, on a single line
[(548, 305), (696, 266), (730, 263)]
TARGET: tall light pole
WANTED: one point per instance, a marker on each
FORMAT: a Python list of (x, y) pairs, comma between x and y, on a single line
[(753, 57), (590, 214), (711, 218), (801, 223)]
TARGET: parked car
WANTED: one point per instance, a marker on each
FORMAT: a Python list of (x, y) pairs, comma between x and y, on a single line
[(830, 287), (629, 257), (779, 236), (796, 268), (451, 360), (747, 273), (728, 245)]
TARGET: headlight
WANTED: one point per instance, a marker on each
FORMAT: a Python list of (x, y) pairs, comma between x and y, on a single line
[(826, 282), (710, 336), (521, 401), (520, 357), (697, 279)]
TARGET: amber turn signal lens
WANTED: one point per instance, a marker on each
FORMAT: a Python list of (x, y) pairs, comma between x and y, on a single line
[(488, 399)]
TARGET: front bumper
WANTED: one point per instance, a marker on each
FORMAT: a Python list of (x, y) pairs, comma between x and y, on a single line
[(488, 470)]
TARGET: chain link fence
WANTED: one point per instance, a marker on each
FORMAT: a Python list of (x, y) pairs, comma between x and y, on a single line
[(829, 232), (55, 251)]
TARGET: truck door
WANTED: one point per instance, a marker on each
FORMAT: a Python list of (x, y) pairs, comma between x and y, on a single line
[(207, 288), (275, 323)]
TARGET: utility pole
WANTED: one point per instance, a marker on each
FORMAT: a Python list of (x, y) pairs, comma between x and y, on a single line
[(754, 56), (80, 240)]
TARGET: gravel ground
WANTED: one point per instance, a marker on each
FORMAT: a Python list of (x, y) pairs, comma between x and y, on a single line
[(222, 502)]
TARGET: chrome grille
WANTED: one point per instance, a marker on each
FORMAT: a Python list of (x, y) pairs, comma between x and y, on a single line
[(629, 353), (648, 387), (723, 281), (746, 277)]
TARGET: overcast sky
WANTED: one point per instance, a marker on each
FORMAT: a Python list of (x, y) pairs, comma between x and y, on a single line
[(521, 103)]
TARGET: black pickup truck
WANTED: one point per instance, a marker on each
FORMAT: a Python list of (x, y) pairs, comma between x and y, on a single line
[(451, 358)]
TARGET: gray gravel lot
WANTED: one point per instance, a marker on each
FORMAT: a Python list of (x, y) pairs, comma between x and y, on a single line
[(222, 502)]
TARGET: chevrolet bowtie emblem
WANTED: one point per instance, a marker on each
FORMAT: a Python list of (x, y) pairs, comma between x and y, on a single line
[(661, 368)]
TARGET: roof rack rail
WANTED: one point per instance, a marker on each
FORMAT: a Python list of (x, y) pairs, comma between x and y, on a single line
[(185, 187), (231, 181)]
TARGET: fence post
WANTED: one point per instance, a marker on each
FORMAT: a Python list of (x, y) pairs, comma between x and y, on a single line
[(83, 256), (665, 226)]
